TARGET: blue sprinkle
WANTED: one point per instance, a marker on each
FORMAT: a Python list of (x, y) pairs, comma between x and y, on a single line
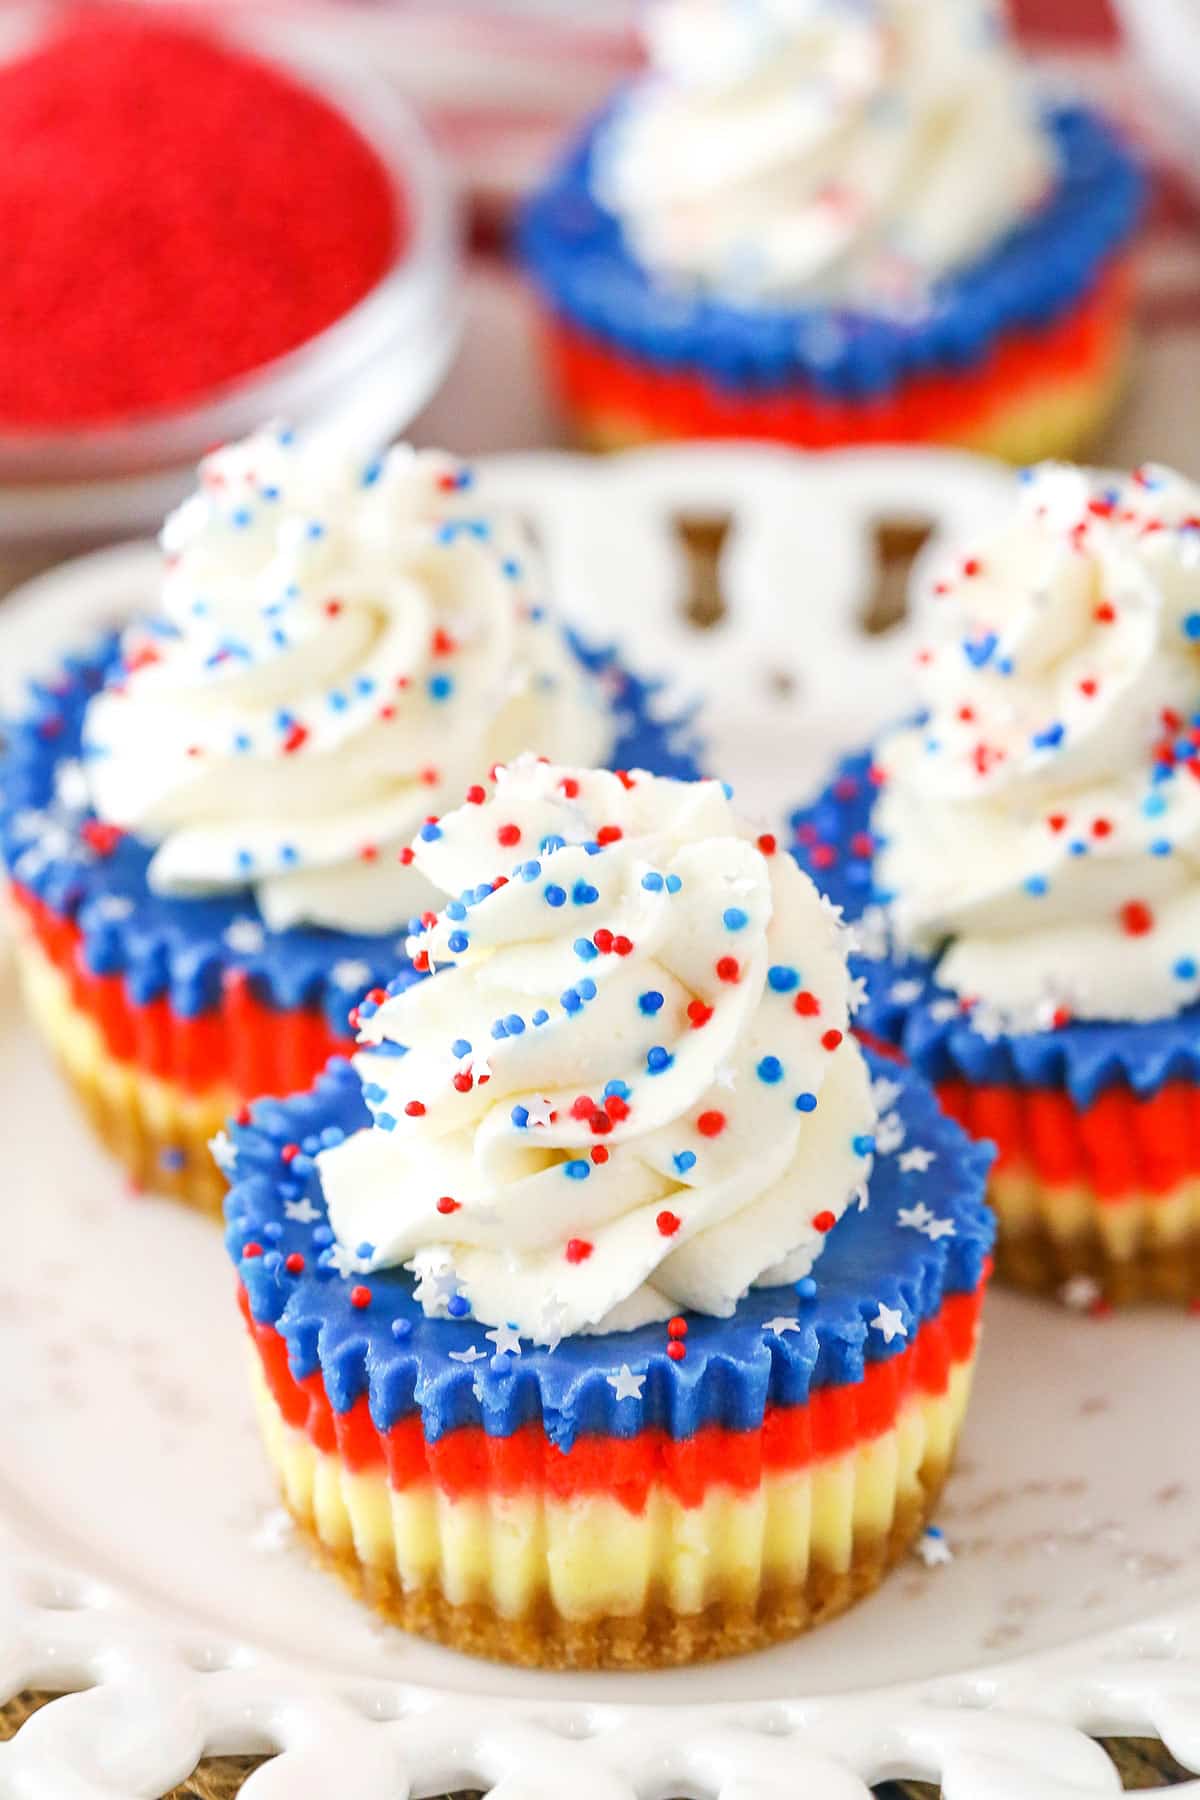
[(806, 1287), (1050, 736), (1035, 884), (315, 530), (727, 790), (365, 1251), (540, 1016), (552, 842), (441, 687), (658, 1059), (1161, 847), (370, 476), (651, 1001), (338, 701), (385, 1121), (587, 988), (584, 947), (322, 1236), (584, 894), (1191, 626), (373, 1093), (619, 1088), (782, 979), (554, 895), (455, 909), (980, 652), (1004, 665), (429, 832), (241, 516), (806, 1103), (652, 882), (244, 859), (332, 1136), (242, 742), (863, 1144), (288, 853), (499, 1363), (529, 871), (735, 919), (1185, 969), (674, 883), (401, 1329), (460, 1047), (1162, 772), (684, 1160), (458, 1306), (770, 1070), (510, 567), (458, 941), (172, 1159), (571, 1001), (1077, 847), (520, 1117), (499, 1028), (577, 1170)]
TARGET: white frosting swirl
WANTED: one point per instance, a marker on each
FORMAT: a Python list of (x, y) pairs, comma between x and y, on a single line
[(822, 149), (1044, 819), (343, 647), (630, 1090)]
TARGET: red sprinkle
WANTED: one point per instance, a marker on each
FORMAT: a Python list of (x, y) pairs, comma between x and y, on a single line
[(447, 1205), (1105, 613), (569, 786), (251, 1250), (727, 969), (476, 795), (508, 835), (1136, 918), (609, 834), (616, 1108), (711, 1124), (668, 1223), (677, 1327), (98, 836), (698, 1014), (360, 1297), (831, 1039), (768, 843), (415, 1109), (464, 1082), (150, 174), (824, 1221), (806, 1004), (289, 1153), (578, 1250), (294, 1263), (676, 1350), (600, 1153)]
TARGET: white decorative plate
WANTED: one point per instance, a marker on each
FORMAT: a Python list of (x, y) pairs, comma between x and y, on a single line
[(143, 1557)]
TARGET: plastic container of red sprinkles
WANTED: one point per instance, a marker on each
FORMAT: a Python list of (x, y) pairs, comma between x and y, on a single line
[(361, 377)]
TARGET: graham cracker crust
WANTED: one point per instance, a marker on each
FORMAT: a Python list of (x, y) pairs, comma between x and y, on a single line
[(1041, 1263), (658, 1638)]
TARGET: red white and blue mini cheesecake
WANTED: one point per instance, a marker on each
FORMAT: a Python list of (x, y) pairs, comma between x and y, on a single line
[(1026, 853), (206, 825), (614, 1308), (837, 224)]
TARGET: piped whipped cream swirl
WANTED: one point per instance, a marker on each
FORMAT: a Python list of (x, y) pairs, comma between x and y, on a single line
[(822, 150), (1043, 822), (342, 646), (628, 1088)]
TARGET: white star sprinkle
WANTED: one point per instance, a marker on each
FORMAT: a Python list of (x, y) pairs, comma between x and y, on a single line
[(905, 992), (472, 1354), (112, 906), (437, 1283), (889, 1134), (726, 1077), (539, 1110), (552, 1315), (506, 1340), (890, 1322), (885, 1093), (933, 1549), (915, 1160), (857, 993), (71, 785), (916, 1218), (301, 1212), (348, 1262), (245, 937), (944, 1010), (869, 934), (223, 1153), (1081, 1292), (779, 1326), (625, 1384), (941, 1228), (351, 973)]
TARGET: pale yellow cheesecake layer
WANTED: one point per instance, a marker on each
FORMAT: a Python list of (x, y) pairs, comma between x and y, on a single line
[(157, 1131), (1140, 1247)]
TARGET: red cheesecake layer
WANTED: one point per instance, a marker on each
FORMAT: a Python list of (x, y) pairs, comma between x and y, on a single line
[(608, 387), (241, 1043), (1122, 1147), (468, 1460)]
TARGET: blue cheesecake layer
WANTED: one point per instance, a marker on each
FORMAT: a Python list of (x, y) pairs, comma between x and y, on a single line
[(446, 1370), (906, 1006), (578, 256), (185, 948)]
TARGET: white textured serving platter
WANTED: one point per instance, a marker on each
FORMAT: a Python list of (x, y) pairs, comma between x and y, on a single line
[(143, 1557)]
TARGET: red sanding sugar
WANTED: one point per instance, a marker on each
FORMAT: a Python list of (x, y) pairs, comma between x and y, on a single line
[(173, 213)]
